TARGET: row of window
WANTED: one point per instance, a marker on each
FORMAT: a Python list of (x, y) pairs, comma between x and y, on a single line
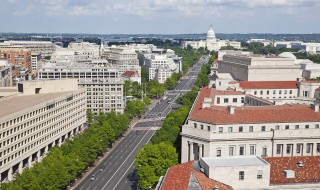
[(39, 141), (289, 148), (22, 151), (263, 128), (267, 92), (233, 100), (42, 117), (241, 175)]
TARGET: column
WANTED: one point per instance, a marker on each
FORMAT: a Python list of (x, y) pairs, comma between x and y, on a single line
[(20, 167), (38, 156), (191, 155), (10, 177), (200, 150), (29, 161)]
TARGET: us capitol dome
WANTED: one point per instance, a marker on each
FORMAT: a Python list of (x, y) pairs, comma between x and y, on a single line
[(211, 36)]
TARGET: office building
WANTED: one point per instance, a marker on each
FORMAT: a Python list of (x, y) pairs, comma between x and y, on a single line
[(38, 116), (100, 78)]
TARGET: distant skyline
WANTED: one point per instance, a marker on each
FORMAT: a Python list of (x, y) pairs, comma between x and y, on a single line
[(160, 16)]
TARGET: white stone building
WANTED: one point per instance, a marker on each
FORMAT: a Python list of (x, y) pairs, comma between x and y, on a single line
[(211, 43), (100, 78), (229, 128), (259, 68), (40, 115), (160, 67), (124, 58), (246, 172)]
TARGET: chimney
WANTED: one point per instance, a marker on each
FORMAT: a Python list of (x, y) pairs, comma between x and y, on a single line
[(316, 107), (231, 109), (206, 102)]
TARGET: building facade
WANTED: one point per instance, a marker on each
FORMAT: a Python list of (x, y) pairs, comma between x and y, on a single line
[(213, 130), (44, 114), (101, 79)]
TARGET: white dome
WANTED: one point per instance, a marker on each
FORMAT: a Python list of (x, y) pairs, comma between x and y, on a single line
[(211, 34), (287, 55)]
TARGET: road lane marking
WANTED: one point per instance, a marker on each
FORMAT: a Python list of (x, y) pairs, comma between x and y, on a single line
[(128, 168), (124, 161)]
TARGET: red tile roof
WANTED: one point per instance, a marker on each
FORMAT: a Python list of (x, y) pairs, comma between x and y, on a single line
[(310, 172), (252, 114), (268, 84), (208, 184), (177, 178)]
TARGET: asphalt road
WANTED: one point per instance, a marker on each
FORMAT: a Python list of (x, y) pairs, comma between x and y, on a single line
[(118, 164), (118, 172)]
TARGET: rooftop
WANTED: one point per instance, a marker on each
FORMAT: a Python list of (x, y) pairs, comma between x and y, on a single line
[(268, 84), (21, 102), (309, 173), (251, 114), (179, 176), (234, 161)]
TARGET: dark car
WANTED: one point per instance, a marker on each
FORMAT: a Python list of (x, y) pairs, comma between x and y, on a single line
[(137, 132)]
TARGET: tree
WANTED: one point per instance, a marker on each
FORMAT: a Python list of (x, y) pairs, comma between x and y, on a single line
[(153, 161), (126, 86), (89, 116)]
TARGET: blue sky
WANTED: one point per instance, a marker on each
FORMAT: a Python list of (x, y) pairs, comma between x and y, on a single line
[(160, 16)]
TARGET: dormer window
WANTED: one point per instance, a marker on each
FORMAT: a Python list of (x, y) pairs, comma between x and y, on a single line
[(300, 164)]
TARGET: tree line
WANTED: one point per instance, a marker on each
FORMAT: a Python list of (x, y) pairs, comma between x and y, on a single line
[(62, 165)]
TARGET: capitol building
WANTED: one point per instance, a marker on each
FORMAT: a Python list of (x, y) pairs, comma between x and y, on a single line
[(211, 42)]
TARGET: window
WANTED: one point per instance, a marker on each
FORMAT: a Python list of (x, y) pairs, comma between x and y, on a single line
[(264, 152), (287, 127), (234, 100), (242, 99), (240, 129), (318, 147), (241, 175), (230, 130), (299, 147), (267, 92), (208, 127), (290, 92), (274, 92), (261, 92), (250, 128), (296, 127), (231, 150), (241, 150), (280, 91), (277, 127), (218, 153), (252, 150), (201, 127), (218, 100), (220, 129), (305, 93), (307, 126), (316, 126), (289, 148), (195, 125), (263, 128), (279, 148), (309, 147), (255, 92), (285, 91), (259, 174), (226, 100)]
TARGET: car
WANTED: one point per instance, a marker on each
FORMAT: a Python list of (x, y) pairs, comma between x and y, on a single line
[(93, 177), (102, 168), (137, 133)]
